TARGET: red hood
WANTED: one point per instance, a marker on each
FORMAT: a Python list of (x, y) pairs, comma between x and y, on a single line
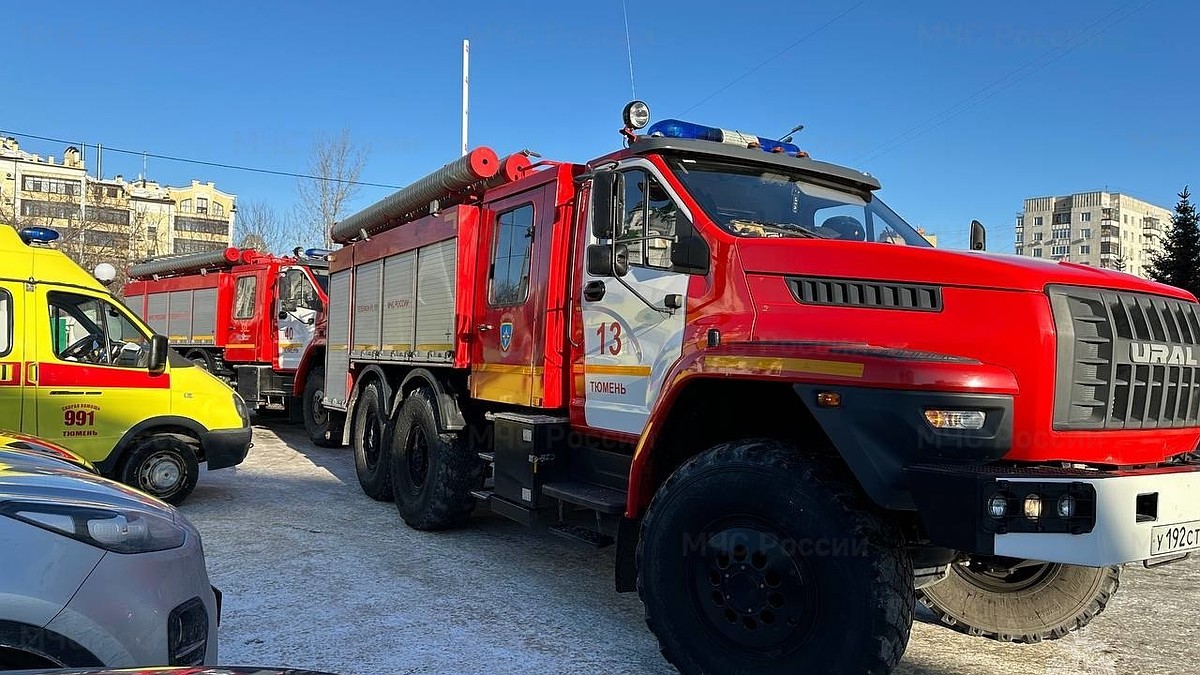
[(889, 262)]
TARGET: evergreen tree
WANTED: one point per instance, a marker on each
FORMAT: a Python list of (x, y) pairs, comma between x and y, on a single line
[(1178, 263)]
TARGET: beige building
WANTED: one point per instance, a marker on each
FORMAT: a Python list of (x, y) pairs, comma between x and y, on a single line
[(110, 220), (1102, 229)]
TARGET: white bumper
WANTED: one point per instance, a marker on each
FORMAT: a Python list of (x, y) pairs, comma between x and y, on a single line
[(1119, 535)]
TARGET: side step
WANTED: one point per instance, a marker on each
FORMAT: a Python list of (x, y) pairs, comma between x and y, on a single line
[(600, 499), (576, 533)]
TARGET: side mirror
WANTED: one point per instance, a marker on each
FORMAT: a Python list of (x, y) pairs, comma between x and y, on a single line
[(978, 236), (282, 316), (159, 348), (608, 261), (608, 197)]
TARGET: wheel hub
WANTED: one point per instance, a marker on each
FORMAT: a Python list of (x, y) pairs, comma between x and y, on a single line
[(751, 588), (418, 457), (160, 474), (371, 439), (319, 414)]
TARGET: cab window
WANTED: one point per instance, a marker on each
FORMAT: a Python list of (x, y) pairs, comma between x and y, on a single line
[(298, 292), (6, 322), (243, 297), (511, 255), (84, 329), (648, 226)]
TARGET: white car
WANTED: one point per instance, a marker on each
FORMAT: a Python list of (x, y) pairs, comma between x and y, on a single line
[(94, 573)]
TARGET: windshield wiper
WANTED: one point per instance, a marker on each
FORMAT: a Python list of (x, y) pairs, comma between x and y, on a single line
[(761, 228)]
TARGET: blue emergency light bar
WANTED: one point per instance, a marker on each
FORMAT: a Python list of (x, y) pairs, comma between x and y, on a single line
[(681, 129), (317, 253), (38, 235)]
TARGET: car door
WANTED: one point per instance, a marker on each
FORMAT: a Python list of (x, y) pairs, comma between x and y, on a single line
[(91, 382), (296, 310), (509, 311), (631, 338), (12, 355)]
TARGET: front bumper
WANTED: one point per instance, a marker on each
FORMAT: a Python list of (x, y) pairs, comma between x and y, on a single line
[(123, 612), (225, 447), (1120, 516)]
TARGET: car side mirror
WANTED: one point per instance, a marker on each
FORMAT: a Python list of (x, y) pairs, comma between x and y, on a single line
[(608, 196), (159, 348), (604, 260), (978, 236)]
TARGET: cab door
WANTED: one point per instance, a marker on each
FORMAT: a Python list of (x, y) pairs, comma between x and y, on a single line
[(91, 381), (509, 338), (296, 310), (245, 329), (631, 337), (12, 355)]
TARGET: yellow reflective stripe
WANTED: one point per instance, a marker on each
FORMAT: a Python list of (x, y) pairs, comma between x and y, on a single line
[(602, 369), (785, 365)]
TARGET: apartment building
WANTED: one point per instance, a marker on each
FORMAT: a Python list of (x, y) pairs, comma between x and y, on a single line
[(1103, 229), (110, 219)]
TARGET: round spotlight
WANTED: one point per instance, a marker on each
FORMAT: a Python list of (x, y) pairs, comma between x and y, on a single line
[(1033, 507), (105, 272), (636, 114), (997, 506), (1066, 506)]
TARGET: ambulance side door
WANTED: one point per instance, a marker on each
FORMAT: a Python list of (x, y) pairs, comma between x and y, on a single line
[(91, 382), (12, 354)]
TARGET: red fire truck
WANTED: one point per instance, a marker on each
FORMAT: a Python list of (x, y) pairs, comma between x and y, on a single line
[(793, 414), (256, 319)]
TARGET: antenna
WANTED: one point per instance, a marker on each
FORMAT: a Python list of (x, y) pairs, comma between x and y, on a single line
[(466, 83), (628, 49), (787, 138)]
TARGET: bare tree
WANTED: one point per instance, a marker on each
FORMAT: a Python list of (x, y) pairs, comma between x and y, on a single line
[(335, 164), (260, 227)]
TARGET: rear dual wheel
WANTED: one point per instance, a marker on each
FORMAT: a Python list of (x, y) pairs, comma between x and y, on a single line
[(370, 445), (432, 473)]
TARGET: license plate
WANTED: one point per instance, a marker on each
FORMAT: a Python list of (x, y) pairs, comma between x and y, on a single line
[(1174, 538)]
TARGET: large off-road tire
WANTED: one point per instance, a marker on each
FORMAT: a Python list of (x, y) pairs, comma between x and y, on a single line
[(433, 473), (163, 466), (322, 425), (202, 359), (754, 558), (370, 445), (1029, 604)]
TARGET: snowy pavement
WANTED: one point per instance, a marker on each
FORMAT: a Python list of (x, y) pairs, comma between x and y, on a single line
[(317, 575)]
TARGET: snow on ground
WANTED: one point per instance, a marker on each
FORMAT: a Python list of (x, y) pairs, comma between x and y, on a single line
[(317, 575)]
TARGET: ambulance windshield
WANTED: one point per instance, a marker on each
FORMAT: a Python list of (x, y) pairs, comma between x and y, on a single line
[(762, 201)]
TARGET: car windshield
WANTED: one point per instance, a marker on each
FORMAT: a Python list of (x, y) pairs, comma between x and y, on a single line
[(764, 201)]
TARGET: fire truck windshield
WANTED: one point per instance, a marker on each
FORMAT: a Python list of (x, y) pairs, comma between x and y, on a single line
[(764, 201)]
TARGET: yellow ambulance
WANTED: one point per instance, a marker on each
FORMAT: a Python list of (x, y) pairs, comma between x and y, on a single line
[(81, 370)]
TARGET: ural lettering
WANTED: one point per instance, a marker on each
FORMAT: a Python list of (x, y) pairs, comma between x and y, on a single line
[(1155, 353)]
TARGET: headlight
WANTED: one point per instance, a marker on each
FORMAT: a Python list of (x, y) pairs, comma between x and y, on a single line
[(242, 411), (120, 530), (955, 419)]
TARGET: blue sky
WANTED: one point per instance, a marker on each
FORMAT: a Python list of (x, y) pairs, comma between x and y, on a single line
[(961, 109)]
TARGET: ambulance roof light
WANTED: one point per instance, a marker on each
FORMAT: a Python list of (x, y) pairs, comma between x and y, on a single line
[(38, 235), (681, 129)]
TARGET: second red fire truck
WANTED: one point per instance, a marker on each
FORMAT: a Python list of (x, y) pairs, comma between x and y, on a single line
[(793, 414), (256, 319)]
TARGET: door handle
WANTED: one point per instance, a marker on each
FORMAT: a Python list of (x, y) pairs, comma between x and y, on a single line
[(483, 327), (593, 291)]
